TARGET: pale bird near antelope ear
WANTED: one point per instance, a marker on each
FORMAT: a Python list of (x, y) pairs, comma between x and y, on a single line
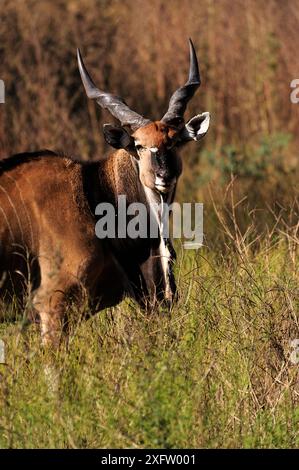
[(55, 198)]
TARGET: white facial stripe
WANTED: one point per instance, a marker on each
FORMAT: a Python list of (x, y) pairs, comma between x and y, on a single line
[(151, 149), (165, 259), (164, 253)]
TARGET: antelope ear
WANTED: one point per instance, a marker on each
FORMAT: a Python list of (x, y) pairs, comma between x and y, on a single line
[(117, 136), (196, 128)]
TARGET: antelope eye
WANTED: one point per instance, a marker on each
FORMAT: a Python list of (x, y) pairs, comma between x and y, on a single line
[(138, 147)]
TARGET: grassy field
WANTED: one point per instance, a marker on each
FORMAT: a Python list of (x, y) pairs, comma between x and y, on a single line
[(219, 371), (216, 373)]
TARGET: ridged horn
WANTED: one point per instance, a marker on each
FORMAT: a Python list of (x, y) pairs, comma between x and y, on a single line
[(114, 104), (180, 98)]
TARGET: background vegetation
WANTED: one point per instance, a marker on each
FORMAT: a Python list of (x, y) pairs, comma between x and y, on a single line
[(218, 372)]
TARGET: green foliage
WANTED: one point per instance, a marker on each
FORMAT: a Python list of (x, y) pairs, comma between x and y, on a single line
[(247, 161), (216, 373), (258, 162)]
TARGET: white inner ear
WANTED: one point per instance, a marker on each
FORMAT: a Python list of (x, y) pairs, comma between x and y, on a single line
[(198, 126)]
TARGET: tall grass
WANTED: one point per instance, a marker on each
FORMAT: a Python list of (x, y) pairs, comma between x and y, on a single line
[(217, 372), (138, 49)]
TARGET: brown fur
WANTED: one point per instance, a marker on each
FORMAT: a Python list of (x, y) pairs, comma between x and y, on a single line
[(47, 226), (156, 134), (159, 135), (47, 207)]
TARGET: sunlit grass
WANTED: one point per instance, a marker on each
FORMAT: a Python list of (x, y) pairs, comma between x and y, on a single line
[(215, 374)]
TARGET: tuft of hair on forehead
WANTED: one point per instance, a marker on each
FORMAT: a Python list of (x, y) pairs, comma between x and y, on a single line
[(154, 135)]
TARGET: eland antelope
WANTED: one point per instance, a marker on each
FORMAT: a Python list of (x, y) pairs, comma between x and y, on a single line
[(48, 203)]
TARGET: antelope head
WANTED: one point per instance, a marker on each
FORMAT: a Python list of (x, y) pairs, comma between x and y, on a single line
[(152, 143)]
